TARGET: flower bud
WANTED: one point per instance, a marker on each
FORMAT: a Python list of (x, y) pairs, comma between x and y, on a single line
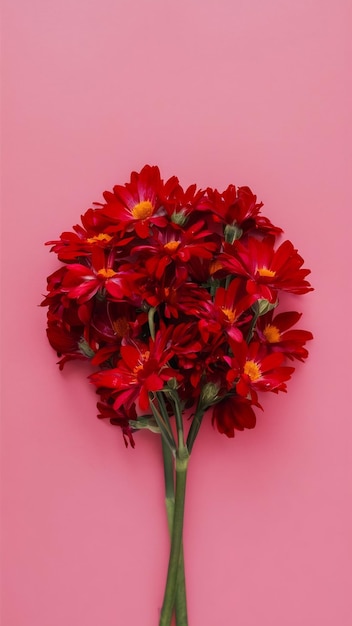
[(172, 383), (232, 232), (179, 217), (263, 306), (208, 395)]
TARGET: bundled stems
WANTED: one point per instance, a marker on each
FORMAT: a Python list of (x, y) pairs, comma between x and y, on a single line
[(176, 454), (180, 598), (182, 458), (175, 473)]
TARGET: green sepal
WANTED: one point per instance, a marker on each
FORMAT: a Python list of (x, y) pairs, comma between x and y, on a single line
[(263, 306), (145, 422), (179, 217), (232, 232), (85, 349)]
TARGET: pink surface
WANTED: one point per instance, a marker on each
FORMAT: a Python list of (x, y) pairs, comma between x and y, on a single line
[(221, 91)]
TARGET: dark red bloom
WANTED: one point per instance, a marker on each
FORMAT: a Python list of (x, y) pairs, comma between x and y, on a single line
[(121, 418), (237, 207), (68, 341), (233, 413), (172, 296)]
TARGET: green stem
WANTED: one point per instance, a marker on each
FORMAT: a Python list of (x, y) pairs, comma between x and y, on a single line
[(151, 322), (252, 326), (169, 483), (164, 427), (163, 409), (182, 458), (180, 600), (173, 395), (193, 431)]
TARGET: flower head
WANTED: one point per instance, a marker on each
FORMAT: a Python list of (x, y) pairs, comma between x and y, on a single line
[(267, 270), (141, 369), (233, 413), (276, 332), (137, 204)]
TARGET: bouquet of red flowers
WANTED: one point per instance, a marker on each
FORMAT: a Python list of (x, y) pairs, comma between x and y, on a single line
[(172, 296)]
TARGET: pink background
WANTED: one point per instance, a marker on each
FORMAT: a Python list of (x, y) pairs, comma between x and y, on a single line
[(251, 92)]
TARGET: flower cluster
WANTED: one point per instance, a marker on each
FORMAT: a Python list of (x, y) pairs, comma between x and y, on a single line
[(163, 288)]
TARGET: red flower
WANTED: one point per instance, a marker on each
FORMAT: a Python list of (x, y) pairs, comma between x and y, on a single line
[(196, 359), (224, 314), (137, 204), (267, 270), (175, 245), (253, 369), (68, 341), (141, 369), (237, 207), (82, 283), (181, 205), (185, 342), (275, 332), (78, 244), (173, 296), (115, 321), (119, 418)]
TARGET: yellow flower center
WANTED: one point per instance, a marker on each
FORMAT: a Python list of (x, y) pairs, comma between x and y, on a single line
[(171, 246), (100, 237), (214, 267), (230, 314), (263, 271), (271, 333), (120, 326), (142, 210), (109, 273), (252, 370), (144, 357)]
